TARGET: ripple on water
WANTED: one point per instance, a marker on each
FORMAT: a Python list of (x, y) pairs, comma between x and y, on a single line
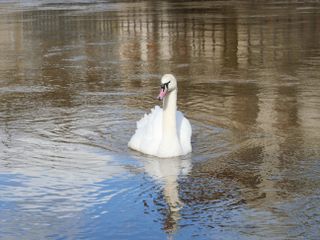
[(23, 89)]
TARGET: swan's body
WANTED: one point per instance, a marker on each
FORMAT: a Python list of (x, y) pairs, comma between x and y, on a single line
[(149, 139), (163, 132)]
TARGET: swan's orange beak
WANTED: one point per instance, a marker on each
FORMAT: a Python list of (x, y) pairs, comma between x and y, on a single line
[(162, 94)]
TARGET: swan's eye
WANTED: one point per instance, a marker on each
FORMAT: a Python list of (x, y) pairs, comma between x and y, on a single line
[(165, 85)]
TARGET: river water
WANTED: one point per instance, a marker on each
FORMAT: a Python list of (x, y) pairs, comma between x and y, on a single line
[(75, 76)]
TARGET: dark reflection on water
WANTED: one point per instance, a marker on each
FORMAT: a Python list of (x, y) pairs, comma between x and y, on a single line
[(75, 76)]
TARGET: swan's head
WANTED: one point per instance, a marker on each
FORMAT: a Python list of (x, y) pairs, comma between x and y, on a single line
[(168, 84)]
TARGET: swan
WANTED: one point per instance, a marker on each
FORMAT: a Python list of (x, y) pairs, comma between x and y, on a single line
[(164, 132)]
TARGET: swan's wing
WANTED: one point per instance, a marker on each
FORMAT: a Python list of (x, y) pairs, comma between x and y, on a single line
[(184, 132), (148, 133)]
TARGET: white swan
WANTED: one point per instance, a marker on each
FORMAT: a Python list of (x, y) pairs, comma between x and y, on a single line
[(163, 133)]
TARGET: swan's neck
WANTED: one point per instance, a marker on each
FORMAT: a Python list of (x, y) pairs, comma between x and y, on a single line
[(169, 127), (170, 145)]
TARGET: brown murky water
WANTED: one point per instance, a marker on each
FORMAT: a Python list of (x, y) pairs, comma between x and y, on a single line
[(75, 76)]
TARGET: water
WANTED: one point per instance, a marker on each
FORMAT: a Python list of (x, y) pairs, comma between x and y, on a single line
[(75, 76)]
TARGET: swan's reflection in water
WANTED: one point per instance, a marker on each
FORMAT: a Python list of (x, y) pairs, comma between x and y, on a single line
[(166, 173)]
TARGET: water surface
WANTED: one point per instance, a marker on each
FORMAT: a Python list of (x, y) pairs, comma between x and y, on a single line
[(75, 76)]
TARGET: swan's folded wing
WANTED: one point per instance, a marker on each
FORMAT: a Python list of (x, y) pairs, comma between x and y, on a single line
[(184, 132), (148, 133)]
